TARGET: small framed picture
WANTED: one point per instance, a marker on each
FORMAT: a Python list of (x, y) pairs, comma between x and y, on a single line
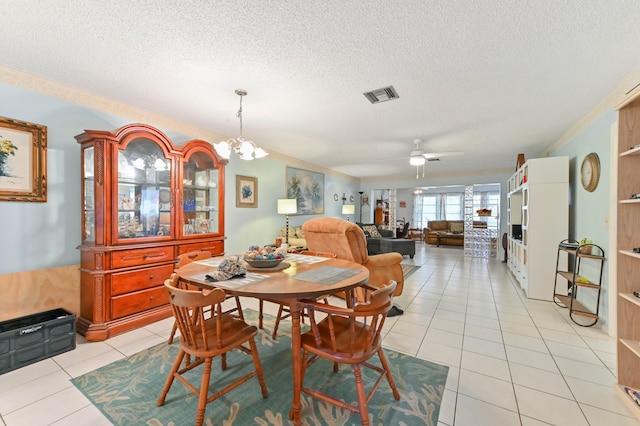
[(246, 191)]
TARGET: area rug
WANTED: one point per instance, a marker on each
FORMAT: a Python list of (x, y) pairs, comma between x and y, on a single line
[(126, 391), (408, 269)]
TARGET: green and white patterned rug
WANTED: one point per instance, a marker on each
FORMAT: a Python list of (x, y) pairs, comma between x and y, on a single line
[(126, 391)]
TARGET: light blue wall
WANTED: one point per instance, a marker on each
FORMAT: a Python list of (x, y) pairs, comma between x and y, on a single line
[(45, 235), (589, 211)]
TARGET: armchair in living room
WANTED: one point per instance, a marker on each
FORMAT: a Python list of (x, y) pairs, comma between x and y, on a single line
[(347, 241)]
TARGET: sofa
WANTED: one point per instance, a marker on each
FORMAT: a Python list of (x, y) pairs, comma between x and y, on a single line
[(455, 229), (296, 236), (374, 234)]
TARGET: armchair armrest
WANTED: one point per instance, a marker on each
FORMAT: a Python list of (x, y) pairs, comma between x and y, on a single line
[(383, 260), (383, 268)]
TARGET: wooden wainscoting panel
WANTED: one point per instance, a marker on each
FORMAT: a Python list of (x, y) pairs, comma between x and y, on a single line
[(29, 292)]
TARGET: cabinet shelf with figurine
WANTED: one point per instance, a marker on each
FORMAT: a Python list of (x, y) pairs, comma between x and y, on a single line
[(628, 243), (145, 201), (568, 291)]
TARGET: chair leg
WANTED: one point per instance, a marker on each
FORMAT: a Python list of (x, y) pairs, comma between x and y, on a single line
[(385, 365), (169, 382), (173, 332), (258, 365), (260, 314), (240, 313), (223, 361), (362, 397), (204, 390), (275, 327)]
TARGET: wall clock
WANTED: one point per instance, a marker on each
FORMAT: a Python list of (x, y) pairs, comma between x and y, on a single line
[(590, 172)]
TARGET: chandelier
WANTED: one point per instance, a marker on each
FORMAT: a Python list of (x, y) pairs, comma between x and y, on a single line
[(246, 150)]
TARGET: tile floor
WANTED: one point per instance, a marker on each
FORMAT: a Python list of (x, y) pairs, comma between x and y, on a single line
[(513, 361)]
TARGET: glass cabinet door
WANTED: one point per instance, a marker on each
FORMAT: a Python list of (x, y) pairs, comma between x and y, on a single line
[(89, 207), (200, 196), (143, 191)]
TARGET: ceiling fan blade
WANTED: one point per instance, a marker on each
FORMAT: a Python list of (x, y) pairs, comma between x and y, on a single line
[(428, 155)]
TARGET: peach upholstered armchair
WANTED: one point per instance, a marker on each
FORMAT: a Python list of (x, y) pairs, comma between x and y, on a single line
[(347, 241)]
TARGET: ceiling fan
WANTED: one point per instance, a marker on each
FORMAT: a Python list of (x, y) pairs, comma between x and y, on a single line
[(418, 157)]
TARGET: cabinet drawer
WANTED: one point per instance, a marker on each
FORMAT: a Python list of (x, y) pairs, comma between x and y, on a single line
[(122, 259), (215, 247), (139, 301), (126, 282)]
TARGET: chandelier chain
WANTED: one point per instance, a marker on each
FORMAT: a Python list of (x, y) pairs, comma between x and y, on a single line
[(239, 114)]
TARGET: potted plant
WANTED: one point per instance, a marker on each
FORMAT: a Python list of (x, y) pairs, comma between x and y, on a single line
[(585, 247)]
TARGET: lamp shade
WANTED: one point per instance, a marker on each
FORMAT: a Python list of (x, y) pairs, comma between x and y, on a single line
[(287, 206), (348, 209)]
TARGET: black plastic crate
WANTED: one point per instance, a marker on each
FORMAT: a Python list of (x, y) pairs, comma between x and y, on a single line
[(32, 338)]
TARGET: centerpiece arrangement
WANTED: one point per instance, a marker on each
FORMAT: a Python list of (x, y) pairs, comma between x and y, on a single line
[(484, 212), (264, 257)]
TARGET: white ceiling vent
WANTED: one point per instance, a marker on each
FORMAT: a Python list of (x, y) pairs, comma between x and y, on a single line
[(381, 95), (433, 159)]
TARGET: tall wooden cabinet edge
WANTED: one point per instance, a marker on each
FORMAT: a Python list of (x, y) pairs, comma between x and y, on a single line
[(130, 244), (628, 238)]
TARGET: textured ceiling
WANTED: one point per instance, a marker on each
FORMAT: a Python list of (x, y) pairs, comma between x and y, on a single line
[(490, 78)]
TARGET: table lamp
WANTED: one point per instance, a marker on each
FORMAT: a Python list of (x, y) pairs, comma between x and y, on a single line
[(348, 209), (287, 206)]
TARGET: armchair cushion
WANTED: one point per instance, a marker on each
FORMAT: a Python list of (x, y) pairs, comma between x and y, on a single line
[(347, 241)]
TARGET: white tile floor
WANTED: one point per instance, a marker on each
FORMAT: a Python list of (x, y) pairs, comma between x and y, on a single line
[(512, 361)]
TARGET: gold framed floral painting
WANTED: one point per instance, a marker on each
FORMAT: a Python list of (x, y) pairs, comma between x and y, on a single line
[(23, 161)]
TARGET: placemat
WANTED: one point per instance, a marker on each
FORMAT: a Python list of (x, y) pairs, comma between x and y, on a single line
[(326, 275), (237, 282)]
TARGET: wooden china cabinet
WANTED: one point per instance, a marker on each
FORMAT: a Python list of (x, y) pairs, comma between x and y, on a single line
[(144, 202)]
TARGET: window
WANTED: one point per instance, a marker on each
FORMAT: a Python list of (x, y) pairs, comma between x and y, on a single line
[(454, 206), (443, 206), (488, 200)]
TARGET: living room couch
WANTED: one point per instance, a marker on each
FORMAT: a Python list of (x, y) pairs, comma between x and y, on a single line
[(453, 227), (374, 234), (296, 236)]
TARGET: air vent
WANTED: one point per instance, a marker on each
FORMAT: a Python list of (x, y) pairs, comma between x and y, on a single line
[(433, 159), (381, 95)]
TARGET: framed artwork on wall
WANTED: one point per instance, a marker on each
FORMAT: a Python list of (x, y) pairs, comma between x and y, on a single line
[(23, 161), (246, 191), (308, 188)]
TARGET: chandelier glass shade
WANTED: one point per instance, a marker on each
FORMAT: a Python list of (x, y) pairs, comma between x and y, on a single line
[(245, 149)]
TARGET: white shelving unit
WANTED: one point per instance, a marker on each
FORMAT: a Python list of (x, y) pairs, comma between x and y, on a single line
[(538, 217)]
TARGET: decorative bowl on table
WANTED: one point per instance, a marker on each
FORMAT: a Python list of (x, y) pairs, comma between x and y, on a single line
[(264, 257)]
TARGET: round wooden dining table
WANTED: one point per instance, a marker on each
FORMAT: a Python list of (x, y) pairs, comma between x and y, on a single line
[(301, 280)]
